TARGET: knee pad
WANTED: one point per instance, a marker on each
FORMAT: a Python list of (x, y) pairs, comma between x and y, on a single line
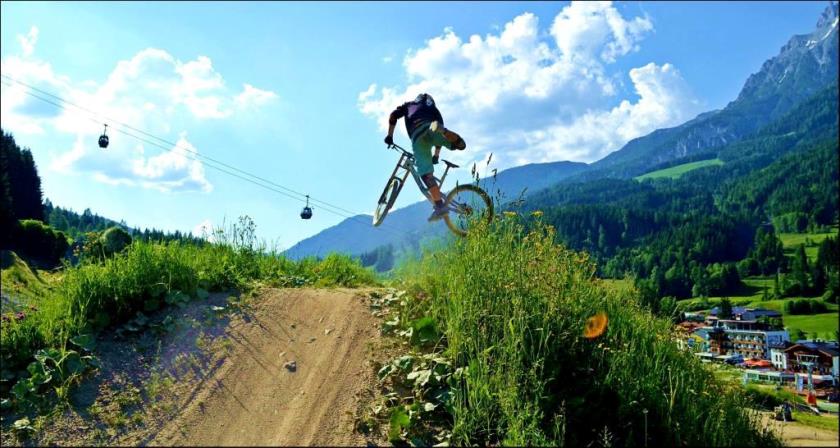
[(429, 180)]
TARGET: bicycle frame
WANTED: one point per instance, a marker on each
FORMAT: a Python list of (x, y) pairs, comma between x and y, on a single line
[(406, 162)]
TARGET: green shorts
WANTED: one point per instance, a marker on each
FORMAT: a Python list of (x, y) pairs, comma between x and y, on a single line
[(422, 142)]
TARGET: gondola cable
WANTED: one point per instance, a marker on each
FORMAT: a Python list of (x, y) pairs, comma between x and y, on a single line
[(327, 206)]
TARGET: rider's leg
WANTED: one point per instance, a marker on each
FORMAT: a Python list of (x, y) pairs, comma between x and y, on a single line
[(434, 191), (444, 137), (434, 188), (421, 145)]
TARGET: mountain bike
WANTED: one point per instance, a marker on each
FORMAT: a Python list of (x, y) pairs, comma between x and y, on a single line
[(465, 202)]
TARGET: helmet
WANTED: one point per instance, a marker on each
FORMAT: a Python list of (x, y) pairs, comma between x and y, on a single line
[(425, 97)]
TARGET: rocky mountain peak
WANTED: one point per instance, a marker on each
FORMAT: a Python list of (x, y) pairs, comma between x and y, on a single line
[(828, 17)]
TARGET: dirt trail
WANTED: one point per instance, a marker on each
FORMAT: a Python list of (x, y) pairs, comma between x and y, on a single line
[(797, 434), (252, 399)]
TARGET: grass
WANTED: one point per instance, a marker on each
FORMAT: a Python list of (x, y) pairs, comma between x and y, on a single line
[(816, 421), (18, 280), (675, 172), (791, 241), (512, 306), (146, 276), (822, 326)]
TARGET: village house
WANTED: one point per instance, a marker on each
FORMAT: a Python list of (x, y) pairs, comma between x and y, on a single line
[(822, 357)]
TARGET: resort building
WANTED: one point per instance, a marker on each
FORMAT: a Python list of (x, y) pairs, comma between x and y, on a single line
[(747, 338)]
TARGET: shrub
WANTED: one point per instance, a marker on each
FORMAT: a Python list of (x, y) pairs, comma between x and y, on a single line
[(805, 306), (114, 240), (35, 240), (341, 270)]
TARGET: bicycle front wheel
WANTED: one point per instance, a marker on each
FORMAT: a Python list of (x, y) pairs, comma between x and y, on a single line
[(386, 200), (467, 203)]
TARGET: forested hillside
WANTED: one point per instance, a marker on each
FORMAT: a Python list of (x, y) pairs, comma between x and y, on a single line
[(683, 237)]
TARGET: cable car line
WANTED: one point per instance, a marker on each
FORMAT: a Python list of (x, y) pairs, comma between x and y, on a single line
[(209, 162), (173, 144)]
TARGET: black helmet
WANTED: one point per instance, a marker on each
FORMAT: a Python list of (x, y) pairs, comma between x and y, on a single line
[(425, 98)]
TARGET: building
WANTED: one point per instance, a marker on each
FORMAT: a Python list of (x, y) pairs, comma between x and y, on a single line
[(822, 357), (747, 314), (778, 356), (747, 338)]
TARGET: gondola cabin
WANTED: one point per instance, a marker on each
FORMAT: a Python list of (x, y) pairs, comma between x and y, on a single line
[(103, 139), (306, 213)]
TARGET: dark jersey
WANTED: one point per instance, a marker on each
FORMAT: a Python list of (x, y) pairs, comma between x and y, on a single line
[(415, 113)]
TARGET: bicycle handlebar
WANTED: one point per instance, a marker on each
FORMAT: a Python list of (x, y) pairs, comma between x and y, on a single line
[(400, 148)]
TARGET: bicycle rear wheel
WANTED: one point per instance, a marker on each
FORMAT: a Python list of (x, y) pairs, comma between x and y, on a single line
[(467, 203), (386, 200)]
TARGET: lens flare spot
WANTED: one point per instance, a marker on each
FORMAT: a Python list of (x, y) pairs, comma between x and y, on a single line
[(595, 326)]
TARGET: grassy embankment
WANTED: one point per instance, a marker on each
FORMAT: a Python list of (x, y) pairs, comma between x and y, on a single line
[(675, 172), (40, 344), (511, 308), (821, 325)]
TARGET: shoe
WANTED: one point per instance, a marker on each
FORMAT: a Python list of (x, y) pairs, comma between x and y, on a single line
[(439, 213), (454, 139)]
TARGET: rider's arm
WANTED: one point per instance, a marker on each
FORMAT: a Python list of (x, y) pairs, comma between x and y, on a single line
[(436, 157), (398, 113)]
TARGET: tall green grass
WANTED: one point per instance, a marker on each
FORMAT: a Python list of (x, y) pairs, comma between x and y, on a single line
[(513, 305), (102, 293)]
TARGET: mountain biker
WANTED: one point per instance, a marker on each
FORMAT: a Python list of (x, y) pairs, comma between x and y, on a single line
[(424, 125)]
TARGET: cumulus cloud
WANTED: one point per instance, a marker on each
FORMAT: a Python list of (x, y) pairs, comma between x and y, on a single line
[(590, 29), (148, 91), (532, 94), (175, 169)]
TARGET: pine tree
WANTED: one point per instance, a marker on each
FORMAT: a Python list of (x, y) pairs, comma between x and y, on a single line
[(800, 269), (725, 308)]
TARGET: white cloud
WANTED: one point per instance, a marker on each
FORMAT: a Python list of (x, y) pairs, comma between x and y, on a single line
[(587, 29), (253, 96), (529, 94), (662, 102), (149, 91), (27, 42), (175, 169)]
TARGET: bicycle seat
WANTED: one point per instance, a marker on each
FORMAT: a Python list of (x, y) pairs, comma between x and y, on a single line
[(450, 164)]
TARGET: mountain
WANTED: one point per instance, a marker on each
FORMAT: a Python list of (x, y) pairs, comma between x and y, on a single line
[(803, 66), (407, 226)]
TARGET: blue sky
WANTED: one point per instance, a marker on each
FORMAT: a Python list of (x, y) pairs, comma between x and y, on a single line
[(298, 92)]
